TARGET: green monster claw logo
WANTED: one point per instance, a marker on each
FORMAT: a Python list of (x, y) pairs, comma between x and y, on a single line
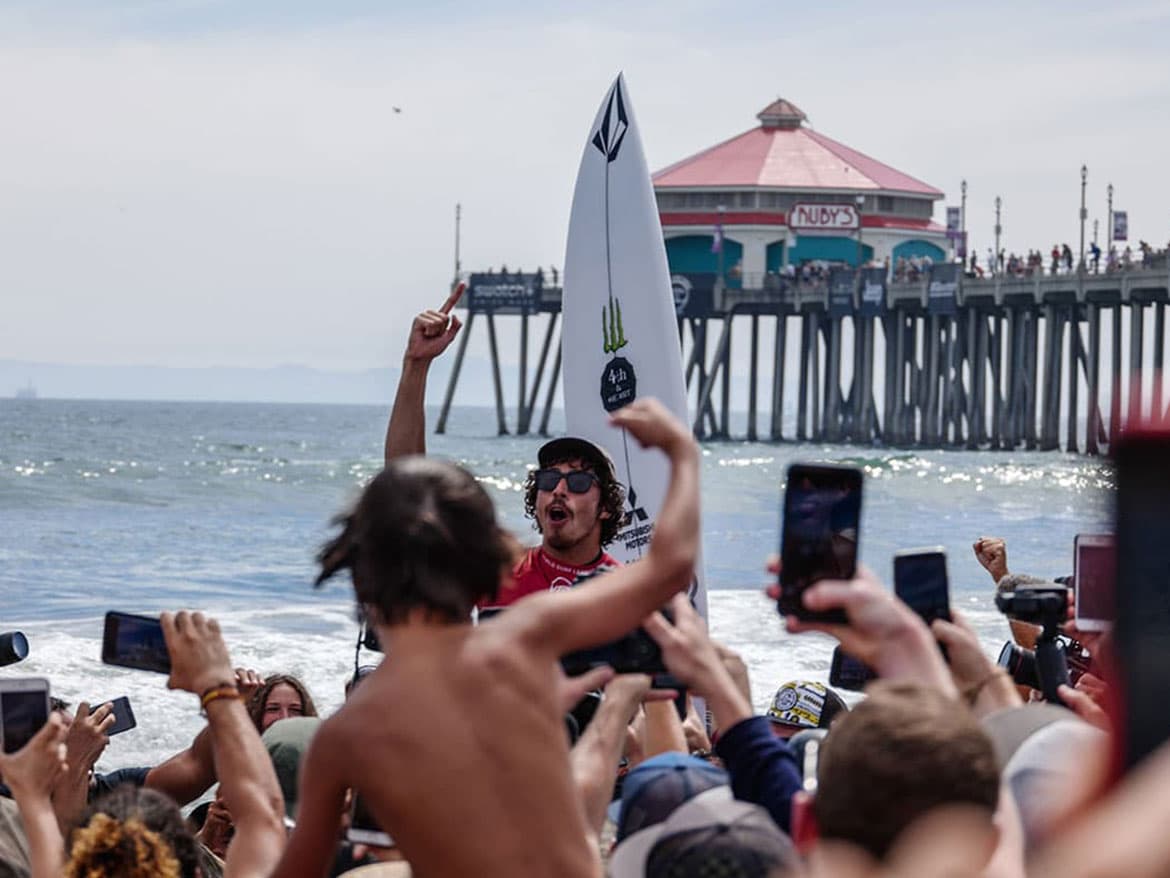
[(611, 327), (619, 386)]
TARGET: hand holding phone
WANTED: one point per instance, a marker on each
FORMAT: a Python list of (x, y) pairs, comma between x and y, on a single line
[(24, 708), (1142, 630), (123, 715), (32, 771), (131, 641), (920, 582), (1094, 568), (846, 672), (819, 535)]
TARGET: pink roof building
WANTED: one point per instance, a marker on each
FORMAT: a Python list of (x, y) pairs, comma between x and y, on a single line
[(785, 194)]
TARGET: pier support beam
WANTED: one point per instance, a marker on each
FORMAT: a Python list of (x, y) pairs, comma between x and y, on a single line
[(1093, 426)]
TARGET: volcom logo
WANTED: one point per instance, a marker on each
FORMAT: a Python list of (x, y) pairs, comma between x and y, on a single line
[(608, 138)]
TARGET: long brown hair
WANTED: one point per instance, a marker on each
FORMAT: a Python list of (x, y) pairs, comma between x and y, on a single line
[(260, 697)]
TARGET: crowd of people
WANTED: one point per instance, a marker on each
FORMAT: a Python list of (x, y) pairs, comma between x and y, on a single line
[(1061, 260), (477, 755)]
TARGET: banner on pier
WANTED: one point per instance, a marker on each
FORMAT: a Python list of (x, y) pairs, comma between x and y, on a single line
[(1120, 225), (873, 292), (694, 293), (842, 282), (504, 293), (943, 290)]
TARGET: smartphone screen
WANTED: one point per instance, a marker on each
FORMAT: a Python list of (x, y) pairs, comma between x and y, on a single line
[(920, 581), (135, 642), (124, 719), (24, 708), (363, 828), (822, 519), (1095, 566), (846, 672), (1142, 631)]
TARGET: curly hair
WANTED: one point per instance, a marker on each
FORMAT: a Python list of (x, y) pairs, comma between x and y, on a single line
[(259, 698), (613, 498), (132, 833)]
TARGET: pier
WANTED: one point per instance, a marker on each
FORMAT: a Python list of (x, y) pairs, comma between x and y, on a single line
[(1044, 362)]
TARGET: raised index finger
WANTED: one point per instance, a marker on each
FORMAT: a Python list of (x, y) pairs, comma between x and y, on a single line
[(453, 299)]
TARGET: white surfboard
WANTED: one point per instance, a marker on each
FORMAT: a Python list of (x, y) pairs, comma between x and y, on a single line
[(620, 335)]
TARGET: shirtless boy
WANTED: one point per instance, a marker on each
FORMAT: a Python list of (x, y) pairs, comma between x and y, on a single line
[(456, 741), (577, 515)]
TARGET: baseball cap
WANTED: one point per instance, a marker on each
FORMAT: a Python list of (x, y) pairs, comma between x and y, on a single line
[(806, 705), (569, 447), (653, 789), (286, 741), (712, 834), (1040, 747), (1011, 727)]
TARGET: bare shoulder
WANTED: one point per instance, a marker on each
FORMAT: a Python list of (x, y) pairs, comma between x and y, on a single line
[(524, 627), (332, 742)]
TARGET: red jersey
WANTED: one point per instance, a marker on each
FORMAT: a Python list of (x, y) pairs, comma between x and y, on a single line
[(538, 572)]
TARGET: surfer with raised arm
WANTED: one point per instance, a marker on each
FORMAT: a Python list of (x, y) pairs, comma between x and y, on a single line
[(574, 496)]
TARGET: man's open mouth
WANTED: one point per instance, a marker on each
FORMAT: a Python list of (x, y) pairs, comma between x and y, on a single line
[(557, 514)]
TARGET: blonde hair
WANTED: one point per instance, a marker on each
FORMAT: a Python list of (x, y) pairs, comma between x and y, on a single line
[(105, 848)]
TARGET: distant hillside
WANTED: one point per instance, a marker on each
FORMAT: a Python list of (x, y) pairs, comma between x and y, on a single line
[(231, 384)]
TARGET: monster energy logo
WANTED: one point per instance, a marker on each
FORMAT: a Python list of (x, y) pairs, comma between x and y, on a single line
[(611, 327)]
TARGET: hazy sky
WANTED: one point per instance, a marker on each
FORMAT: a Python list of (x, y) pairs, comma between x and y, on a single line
[(200, 182)]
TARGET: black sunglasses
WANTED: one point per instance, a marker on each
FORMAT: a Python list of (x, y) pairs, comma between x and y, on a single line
[(578, 481)]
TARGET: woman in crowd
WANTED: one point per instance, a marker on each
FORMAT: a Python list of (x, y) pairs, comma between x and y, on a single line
[(279, 697)]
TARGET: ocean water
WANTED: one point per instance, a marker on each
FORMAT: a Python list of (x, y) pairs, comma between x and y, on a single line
[(148, 506)]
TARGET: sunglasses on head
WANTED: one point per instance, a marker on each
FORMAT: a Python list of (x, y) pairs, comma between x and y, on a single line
[(578, 481)]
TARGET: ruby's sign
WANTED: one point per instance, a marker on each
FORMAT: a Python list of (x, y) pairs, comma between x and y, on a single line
[(823, 218)]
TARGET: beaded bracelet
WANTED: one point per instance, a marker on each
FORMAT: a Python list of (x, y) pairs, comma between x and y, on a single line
[(224, 691)]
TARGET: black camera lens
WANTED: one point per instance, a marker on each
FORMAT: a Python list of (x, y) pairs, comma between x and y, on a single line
[(1020, 664), (13, 648)]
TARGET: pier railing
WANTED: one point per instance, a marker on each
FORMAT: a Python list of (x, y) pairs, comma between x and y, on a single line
[(1046, 361)]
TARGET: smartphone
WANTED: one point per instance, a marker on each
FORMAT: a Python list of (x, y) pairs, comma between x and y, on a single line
[(363, 829), (920, 582), (124, 719), (822, 520), (135, 642), (1142, 630), (24, 708), (1094, 564), (846, 672)]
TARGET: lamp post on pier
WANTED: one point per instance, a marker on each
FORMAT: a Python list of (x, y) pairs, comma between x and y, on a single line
[(998, 230), (860, 201), (1109, 224), (962, 248), (1084, 215)]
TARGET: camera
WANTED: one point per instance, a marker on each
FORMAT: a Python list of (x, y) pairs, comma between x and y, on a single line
[(1020, 663), (13, 648), (636, 653), (1045, 605)]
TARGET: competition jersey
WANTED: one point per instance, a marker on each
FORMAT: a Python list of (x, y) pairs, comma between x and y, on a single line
[(538, 572)]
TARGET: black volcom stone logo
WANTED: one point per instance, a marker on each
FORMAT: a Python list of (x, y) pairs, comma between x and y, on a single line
[(614, 124)]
